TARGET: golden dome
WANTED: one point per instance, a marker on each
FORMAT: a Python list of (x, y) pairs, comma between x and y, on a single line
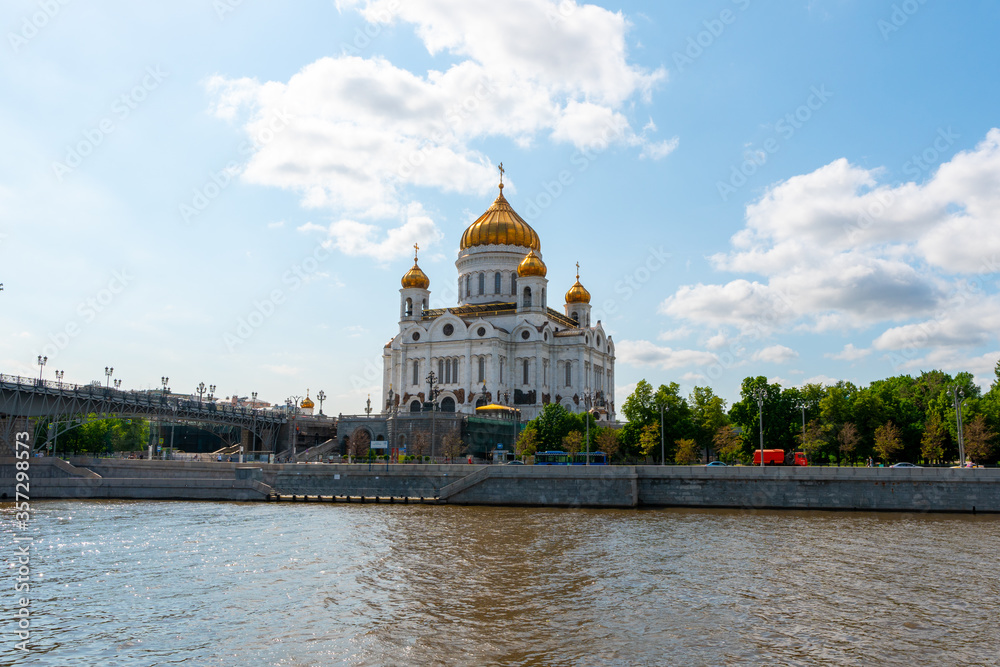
[(306, 403), (500, 225), (415, 277), (577, 293), (531, 265)]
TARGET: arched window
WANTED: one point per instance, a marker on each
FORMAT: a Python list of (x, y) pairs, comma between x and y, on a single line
[(501, 370), (513, 284), (415, 406), (482, 369), (524, 371), (575, 317), (496, 283), (447, 404), (416, 371), (468, 285), (423, 306), (409, 307), (527, 297), (454, 371), (482, 284), (569, 374), (441, 370), (542, 303)]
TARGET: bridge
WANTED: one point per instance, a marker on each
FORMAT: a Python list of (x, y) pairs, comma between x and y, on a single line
[(23, 400)]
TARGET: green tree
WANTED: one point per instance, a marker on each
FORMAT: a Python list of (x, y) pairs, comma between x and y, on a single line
[(527, 442), (933, 441), (814, 440), (847, 441), (727, 443), (552, 425), (980, 440), (649, 441), (607, 441), (572, 442), (887, 441), (708, 415)]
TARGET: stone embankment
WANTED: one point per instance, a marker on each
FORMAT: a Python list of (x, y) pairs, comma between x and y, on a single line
[(877, 489)]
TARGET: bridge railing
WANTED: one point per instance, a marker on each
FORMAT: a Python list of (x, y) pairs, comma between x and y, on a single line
[(149, 398)]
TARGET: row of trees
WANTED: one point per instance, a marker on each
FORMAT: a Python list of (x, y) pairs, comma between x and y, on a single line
[(900, 418), (97, 436)]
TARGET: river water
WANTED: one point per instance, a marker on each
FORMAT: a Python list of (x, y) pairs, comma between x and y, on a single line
[(160, 583)]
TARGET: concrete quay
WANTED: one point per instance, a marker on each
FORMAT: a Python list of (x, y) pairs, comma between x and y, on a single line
[(871, 489)]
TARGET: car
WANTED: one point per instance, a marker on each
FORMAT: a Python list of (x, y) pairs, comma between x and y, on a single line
[(515, 463), (712, 464), (904, 465)]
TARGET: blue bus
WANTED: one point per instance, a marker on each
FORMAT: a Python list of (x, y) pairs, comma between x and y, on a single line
[(552, 459), (596, 459)]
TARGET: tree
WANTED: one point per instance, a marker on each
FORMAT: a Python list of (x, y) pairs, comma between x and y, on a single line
[(726, 443), (979, 439), (708, 415), (452, 446), (887, 441), (813, 440), (418, 445), (607, 441), (572, 442), (847, 441), (358, 443), (527, 442), (687, 451), (552, 425), (932, 442), (649, 440)]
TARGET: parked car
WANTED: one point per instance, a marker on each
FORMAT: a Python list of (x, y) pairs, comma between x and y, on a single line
[(712, 464), (904, 465), (515, 463)]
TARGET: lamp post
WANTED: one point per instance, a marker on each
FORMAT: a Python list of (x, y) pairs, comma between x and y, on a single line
[(958, 397), (211, 393), (41, 365), (802, 405), (201, 393), (118, 383), (321, 396), (108, 372), (368, 407), (164, 381), (663, 449), (432, 392), (59, 377), (760, 393)]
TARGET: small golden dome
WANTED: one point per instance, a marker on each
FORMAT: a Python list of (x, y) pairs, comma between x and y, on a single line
[(306, 403), (500, 225), (577, 293), (415, 277), (531, 265)]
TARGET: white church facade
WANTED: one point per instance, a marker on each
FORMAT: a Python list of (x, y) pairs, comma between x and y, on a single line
[(502, 344)]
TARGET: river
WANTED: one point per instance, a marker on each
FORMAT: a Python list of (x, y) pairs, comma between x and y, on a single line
[(160, 583)]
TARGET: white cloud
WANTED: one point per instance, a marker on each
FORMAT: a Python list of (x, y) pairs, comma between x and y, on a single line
[(282, 369), (775, 354), (645, 353), (366, 240), (840, 249), (352, 134), (849, 353)]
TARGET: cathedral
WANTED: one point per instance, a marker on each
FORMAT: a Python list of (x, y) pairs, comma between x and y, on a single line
[(502, 344)]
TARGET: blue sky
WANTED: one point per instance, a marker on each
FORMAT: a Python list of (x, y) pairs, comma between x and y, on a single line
[(229, 191)]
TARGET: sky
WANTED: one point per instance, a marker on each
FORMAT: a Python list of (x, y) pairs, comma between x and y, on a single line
[(229, 191)]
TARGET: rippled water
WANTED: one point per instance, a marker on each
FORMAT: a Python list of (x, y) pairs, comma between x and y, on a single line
[(146, 583)]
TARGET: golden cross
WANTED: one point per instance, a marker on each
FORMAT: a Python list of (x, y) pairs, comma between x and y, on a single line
[(500, 167), (415, 249), (578, 270)]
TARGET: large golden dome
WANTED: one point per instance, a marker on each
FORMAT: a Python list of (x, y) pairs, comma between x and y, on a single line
[(500, 225), (306, 402), (415, 277), (531, 265), (577, 293)]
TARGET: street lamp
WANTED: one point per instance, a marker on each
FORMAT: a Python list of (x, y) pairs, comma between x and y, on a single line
[(253, 400), (760, 393), (586, 404), (663, 456), (164, 381), (368, 407), (41, 365), (958, 396), (108, 372), (802, 405), (432, 392), (211, 392), (201, 392), (59, 377), (118, 383), (321, 396)]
